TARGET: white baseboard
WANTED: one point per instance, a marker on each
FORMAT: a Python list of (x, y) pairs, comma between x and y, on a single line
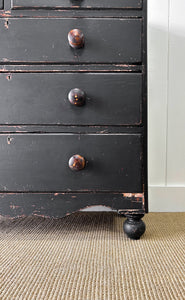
[(166, 199), (161, 199)]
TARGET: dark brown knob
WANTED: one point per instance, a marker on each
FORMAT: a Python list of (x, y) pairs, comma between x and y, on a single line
[(76, 97), (77, 162), (76, 38)]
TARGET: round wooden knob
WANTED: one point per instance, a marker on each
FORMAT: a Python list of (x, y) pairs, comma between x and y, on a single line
[(76, 38), (77, 162), (76, 97)]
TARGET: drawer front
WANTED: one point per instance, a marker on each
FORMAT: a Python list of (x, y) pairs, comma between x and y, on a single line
[(33, 4), (39, 162), (46, 40), (110, 99)]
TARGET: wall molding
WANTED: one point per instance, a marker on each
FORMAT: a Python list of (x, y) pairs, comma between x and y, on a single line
[(166, 198), (161, 199)]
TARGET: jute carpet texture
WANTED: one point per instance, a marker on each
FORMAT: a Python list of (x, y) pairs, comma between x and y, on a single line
[(86, 256)]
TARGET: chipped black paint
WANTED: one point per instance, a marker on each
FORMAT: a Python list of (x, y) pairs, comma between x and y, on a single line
[(88, 4), (20, 104), (115, 43), (102, 43), (57, 205), (39, 162)]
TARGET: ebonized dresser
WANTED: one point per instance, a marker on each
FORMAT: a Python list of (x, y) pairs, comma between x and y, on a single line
[(73, 117)]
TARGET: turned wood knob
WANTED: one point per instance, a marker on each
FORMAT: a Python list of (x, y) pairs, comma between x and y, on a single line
[(77, 162), (76, 97), (76, 38)]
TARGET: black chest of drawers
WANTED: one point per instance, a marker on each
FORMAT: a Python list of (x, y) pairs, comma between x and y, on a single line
[(73, 117)]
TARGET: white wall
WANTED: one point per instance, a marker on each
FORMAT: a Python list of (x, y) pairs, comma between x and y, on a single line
[(166, 51)]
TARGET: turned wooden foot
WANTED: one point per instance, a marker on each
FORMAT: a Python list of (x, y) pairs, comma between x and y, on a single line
[(134, 227)]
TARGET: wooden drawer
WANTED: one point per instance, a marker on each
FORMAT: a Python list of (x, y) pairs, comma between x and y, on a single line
[(46, 40), (34, 4), (31, 98), (39, 162)]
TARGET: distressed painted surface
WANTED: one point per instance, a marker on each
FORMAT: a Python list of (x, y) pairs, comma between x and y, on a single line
[(39, 162), (86, 13), (18, 4), (30, 98), (58, 68), (60, 204), (102, 40), (69, 129), (34, 161)]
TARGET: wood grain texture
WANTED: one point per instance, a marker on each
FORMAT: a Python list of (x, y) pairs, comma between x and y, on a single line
[(77, 162), (39, 162), (76, 38), (18, 4), (111, 99), (37, 40)]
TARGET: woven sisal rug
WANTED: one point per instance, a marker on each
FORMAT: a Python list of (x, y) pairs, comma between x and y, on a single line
[(86, 256)]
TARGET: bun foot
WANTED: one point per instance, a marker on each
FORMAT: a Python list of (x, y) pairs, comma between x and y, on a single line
[(134, 227)]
